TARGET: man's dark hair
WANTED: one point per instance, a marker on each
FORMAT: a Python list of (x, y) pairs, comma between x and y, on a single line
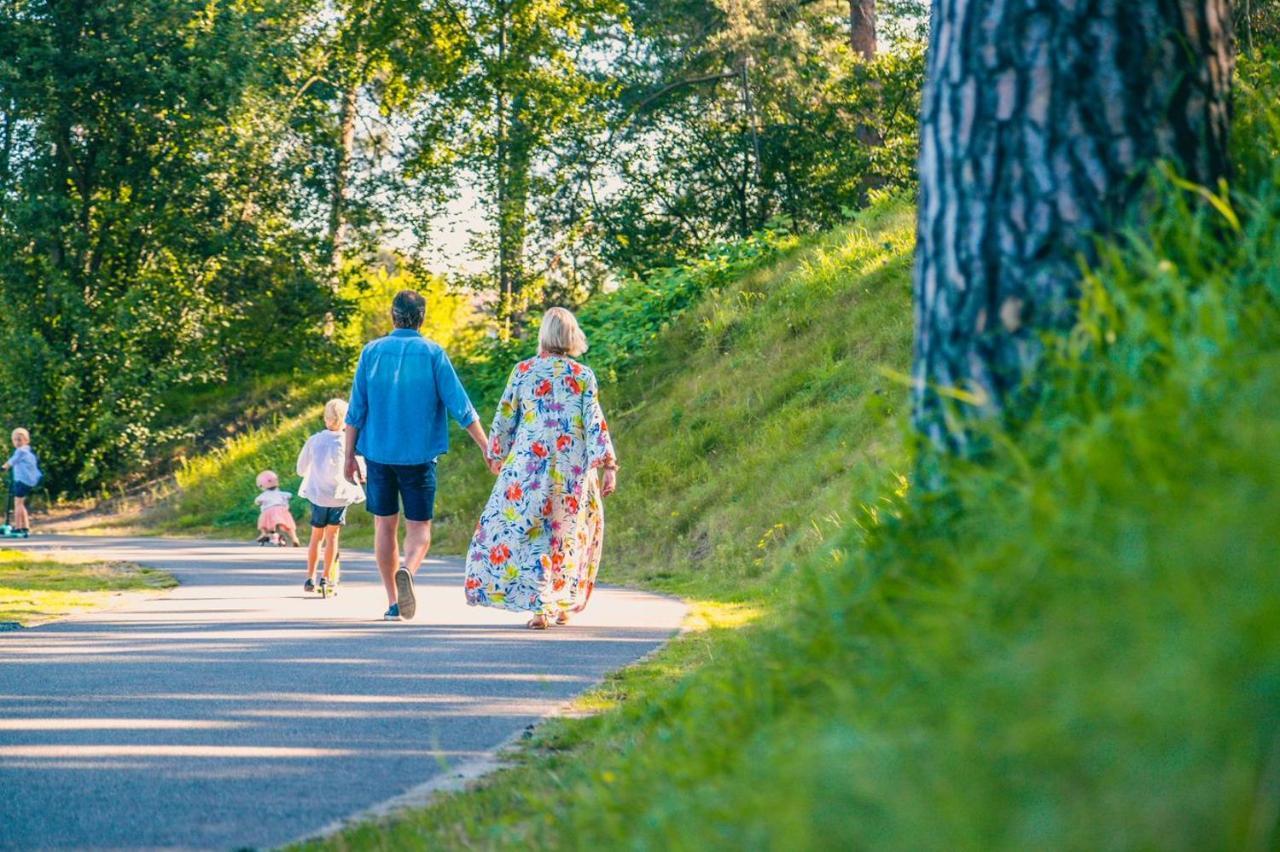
[(408, 309)]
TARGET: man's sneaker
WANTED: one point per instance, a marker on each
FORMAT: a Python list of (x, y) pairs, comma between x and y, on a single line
[(393, 614), (309, 586), (404, 593)]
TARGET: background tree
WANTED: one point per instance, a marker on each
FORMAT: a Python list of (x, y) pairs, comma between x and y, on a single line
[(525, 74), (1257, 24), (735, 112), (1038, 122), (148, 237)]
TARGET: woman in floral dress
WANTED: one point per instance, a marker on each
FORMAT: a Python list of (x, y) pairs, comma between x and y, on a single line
[(537, 546)]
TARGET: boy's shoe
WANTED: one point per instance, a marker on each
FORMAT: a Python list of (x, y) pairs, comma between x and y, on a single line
[(393, 614), (310, 585), (404, 593)]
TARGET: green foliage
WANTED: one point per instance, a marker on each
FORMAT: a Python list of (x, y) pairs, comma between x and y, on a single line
[(147, 220), (193, 193), (740, 111), (524, 78), (451, 319)]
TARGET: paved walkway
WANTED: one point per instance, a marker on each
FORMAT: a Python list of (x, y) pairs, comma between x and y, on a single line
[(238, 711)]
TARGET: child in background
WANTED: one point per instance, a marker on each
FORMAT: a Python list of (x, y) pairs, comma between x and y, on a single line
[(26, 476), (275, 521), (321, 465)]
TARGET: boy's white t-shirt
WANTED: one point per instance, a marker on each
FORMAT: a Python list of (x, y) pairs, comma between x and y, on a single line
[(272, 498), (321, 465)]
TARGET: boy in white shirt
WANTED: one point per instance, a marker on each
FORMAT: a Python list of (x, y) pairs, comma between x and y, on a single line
[(26, 476), (321, 464)]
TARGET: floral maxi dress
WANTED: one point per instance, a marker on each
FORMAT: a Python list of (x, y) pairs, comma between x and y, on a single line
[(537, 546)]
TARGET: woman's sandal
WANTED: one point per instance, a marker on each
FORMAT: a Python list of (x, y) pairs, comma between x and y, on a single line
[(538, 622), (562, 619)]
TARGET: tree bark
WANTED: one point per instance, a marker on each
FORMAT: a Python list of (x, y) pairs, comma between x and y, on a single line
[(510, 188), (862, 28), (341, 175), (513, 208), (1038, 122)]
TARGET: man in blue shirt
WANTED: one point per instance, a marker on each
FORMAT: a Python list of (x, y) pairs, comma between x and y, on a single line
[(404, 391)]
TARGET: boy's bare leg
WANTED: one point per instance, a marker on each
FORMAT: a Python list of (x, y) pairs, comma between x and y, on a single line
[(386, 551), (330, 551), (313, 552), (20, 519), (417, 543)]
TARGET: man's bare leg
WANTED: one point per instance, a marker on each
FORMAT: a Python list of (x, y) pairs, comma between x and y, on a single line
[(386, 551), (417, 543)]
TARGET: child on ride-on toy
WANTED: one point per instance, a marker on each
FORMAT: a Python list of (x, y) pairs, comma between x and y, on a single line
[(275, 521), (321, 464)]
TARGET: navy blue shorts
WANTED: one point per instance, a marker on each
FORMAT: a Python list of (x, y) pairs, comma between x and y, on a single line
[(388, 485), (21, 489), (328, 516)]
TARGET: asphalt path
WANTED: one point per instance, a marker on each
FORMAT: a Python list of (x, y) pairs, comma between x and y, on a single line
[(239, 711)]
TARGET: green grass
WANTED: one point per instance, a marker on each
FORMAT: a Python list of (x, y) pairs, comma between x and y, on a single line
[(36, 590)]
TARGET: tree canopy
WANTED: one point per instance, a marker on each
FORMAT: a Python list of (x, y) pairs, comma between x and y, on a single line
[(195, 193)]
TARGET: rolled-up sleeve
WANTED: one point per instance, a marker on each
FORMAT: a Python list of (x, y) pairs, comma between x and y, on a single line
[(358, 407), (303, 466), (452, 394), (502, 434)]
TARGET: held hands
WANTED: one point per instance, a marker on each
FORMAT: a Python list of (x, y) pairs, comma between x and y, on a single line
[(494, 463)]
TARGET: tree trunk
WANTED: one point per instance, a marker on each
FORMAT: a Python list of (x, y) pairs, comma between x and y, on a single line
[(6, 152), (862, 28), (512, 212), (509, 203), (1038, 120), (341, 176), (1246, 18)]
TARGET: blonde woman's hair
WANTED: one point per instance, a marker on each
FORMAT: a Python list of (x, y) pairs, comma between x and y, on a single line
[(335, 411), (20, 433), (561, 334)]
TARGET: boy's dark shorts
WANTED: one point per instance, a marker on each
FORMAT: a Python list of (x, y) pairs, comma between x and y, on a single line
[(388, 485), (22, 489), (328, 516)]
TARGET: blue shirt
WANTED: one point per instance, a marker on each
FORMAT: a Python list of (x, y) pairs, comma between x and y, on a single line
[(25, 467), (403, 388)]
